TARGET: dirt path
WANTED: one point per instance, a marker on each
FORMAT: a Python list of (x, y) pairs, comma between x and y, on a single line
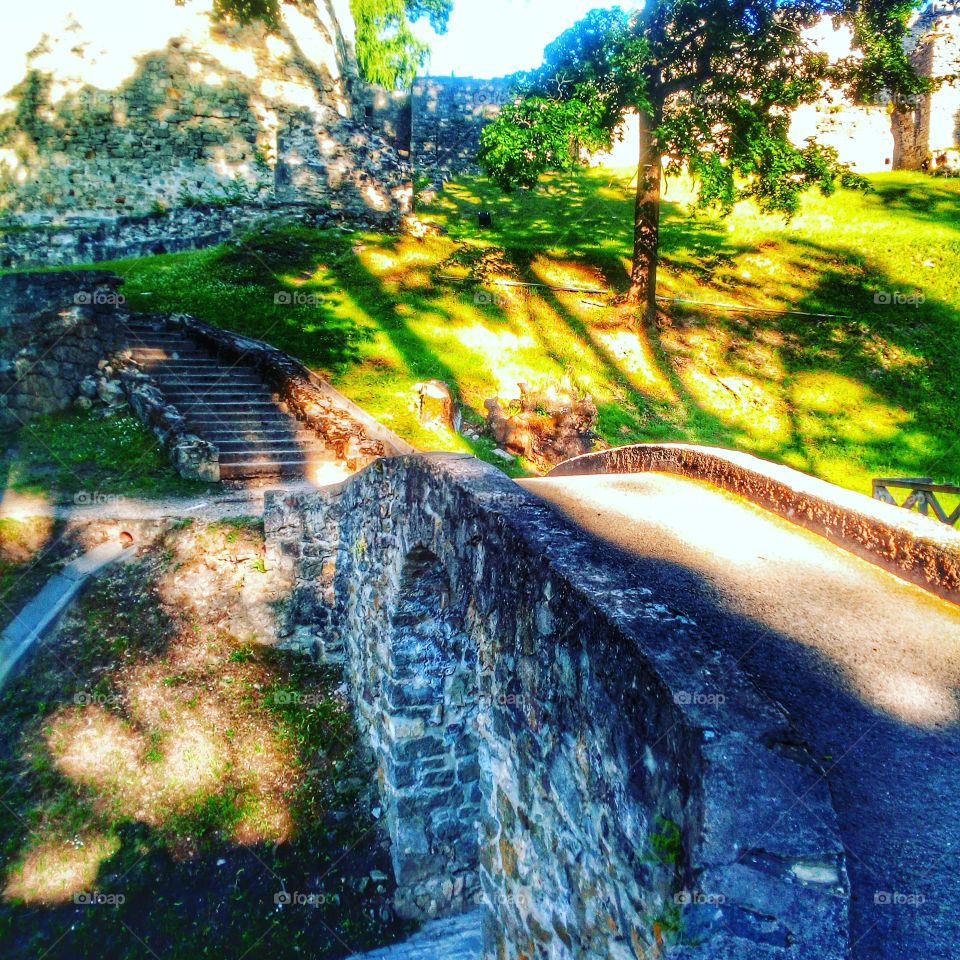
[(244, 501), (867, 665)]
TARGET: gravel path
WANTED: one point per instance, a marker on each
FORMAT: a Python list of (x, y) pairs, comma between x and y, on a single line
[(867, 665), (241, 502)]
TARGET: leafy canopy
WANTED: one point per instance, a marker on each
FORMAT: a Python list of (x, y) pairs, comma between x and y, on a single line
[(388, 51), (716, 80)]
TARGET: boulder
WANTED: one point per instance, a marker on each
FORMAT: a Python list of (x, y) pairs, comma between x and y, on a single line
[(548, 425)]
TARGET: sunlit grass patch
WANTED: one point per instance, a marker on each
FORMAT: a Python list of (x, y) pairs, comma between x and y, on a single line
[(98, 456), (29, 549), (57, 871)]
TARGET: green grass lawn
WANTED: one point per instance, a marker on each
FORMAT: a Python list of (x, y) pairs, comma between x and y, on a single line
[(89, 457), (30, 550), (871, 389)]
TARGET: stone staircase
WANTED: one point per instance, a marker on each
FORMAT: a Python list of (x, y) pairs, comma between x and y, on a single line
[(227, 403)]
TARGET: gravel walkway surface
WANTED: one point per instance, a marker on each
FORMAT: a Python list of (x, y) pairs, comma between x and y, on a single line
[(241, 502)]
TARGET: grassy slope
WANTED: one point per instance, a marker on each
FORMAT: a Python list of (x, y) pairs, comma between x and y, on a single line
[(30, 549), (873, 391)]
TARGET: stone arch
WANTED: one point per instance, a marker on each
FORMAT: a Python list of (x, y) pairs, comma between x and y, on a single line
[(428, 744)]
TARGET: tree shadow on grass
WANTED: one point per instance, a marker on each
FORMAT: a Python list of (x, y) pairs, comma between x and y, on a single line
[(781, 385), (928, 199), (867, 385)]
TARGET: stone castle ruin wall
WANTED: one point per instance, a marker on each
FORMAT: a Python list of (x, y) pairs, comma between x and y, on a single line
[(108, 119), (172, 108)]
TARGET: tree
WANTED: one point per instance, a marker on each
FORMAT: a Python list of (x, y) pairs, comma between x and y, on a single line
[(713, 82), (388, 51)]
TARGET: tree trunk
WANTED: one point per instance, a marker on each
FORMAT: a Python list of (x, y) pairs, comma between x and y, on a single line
[(646, 220)]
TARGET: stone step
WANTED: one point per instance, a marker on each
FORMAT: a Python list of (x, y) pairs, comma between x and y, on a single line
[(167, 365), (260, 443), (206, 421), (222, 383), (157, 336), (150, 353), (230, 432), (264, 468), (255, 412), (165, 348), (255, 453), (232, 385), (228, 403), (219, 394), (455, 938), (222, 376), (238, 406), (233, 443)]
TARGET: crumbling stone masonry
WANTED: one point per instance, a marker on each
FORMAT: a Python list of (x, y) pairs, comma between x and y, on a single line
[(447, 117), (193, 110), (54, 330), (538, 749)]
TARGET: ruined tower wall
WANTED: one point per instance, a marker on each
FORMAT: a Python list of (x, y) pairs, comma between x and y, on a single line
[(121, 115)]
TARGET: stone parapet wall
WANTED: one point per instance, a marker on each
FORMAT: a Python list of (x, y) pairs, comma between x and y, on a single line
[(54, 330), (79, 240), (193, 457), (911, 546), (538, 745)]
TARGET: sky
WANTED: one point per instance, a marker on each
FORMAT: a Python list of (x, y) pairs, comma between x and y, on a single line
[(491, 38)]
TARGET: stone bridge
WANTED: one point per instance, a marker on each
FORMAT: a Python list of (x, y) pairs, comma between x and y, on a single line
[(549, 737)]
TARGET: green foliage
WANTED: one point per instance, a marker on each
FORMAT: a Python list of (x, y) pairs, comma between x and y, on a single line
[(246, 11), (224, 194), (379, 318), (388, 51), (600, 59), (110, 455), (536, 134), (878, 31), (666, 842), (715, 82)]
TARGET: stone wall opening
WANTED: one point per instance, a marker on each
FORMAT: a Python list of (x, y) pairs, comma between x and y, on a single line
[(428, 751)]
